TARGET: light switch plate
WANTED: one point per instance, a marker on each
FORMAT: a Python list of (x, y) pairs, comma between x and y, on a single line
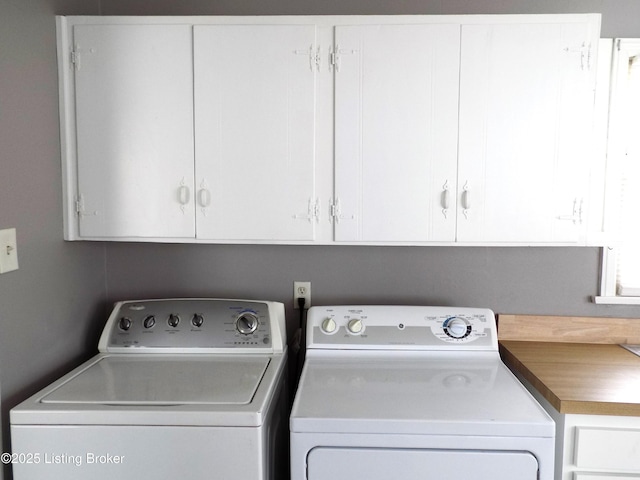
[(8, 250)]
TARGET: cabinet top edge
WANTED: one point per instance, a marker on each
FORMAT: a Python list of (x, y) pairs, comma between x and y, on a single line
[(331, 20)]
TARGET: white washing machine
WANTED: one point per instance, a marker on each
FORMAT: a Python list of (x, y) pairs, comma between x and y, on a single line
[(181, 388), (413, 393)]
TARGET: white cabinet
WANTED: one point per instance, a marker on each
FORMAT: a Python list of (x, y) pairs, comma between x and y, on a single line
[(254, 131), (594, 447), (526, 105), (252, 176), (513, 168), (389, 130), (396, 116), (134, 130)]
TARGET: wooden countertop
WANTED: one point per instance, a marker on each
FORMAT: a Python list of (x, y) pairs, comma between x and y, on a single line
[(579, 378)]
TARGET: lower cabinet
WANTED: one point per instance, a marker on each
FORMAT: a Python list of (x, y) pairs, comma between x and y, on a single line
[(594, 447)]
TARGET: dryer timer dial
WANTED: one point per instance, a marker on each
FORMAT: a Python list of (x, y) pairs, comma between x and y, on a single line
[(457, 327)]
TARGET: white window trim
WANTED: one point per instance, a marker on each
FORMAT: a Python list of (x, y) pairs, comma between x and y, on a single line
[(619, 49)]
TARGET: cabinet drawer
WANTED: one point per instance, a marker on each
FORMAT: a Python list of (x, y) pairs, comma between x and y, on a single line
[(615, 449), (604, 476)]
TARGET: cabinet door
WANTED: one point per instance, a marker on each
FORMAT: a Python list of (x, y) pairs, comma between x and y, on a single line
[(254, 111), (526, 99), (396, 116), (134, 126)]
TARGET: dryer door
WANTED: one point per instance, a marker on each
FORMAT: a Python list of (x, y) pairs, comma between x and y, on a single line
[(419, 464)]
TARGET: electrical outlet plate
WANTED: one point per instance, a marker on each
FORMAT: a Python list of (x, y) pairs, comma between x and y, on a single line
[(8, 250), (302, 289)]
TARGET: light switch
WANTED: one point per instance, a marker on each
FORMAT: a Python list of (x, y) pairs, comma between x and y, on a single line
[(8, 250)]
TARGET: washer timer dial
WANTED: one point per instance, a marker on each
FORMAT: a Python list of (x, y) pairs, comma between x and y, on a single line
[(247, 323), (456, 327)]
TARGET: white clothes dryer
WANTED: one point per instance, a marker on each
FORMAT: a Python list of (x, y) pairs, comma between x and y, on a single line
[(413, 393), (180, 388)]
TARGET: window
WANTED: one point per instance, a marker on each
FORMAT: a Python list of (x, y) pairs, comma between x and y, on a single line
[(620, 281)]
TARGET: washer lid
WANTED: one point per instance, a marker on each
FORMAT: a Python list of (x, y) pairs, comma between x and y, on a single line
[(175, 380)]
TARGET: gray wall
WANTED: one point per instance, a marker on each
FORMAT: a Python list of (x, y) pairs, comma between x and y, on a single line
[(52, 308), (48, 308), (620, 17)]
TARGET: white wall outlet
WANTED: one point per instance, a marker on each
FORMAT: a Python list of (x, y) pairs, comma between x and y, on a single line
[(302, 289), (8, 250)]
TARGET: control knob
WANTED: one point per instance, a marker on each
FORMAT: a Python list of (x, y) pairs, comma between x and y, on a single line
[(247, 323), (355, 326), (149, 321), (456, 327), (174, 320), (197, 320), (124, 323), (328, 325)]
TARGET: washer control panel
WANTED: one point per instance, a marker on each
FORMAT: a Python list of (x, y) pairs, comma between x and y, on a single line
[(381, 327), (189, 325)]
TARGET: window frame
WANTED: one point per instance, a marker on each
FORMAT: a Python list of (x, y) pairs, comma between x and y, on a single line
[(615, 54)]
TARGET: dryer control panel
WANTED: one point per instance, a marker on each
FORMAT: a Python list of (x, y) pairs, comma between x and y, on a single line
[(381, 327), (194, 326)]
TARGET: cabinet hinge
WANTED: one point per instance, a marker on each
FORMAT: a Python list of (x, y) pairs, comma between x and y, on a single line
[(335, 56), (584, 50), (75, 59), (80, 211), (335, 211), (79, 201), (314, 57), (313, 211), (576, 214)]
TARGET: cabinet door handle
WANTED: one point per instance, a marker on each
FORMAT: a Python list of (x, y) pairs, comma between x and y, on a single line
[(466, 201), (204, 197), (183, 194), (444, 199)]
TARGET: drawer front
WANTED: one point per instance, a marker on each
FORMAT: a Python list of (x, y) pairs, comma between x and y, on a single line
[(613, 449), (604, 476)]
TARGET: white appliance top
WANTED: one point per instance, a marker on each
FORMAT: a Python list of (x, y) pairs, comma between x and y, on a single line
[(208, 362), (410, 370), (169, 380)]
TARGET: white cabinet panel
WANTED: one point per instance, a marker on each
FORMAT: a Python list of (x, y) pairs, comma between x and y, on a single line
[(604, 476), (255, 131), (526, 99), (612, 449), (396, 114), (134, 128)]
